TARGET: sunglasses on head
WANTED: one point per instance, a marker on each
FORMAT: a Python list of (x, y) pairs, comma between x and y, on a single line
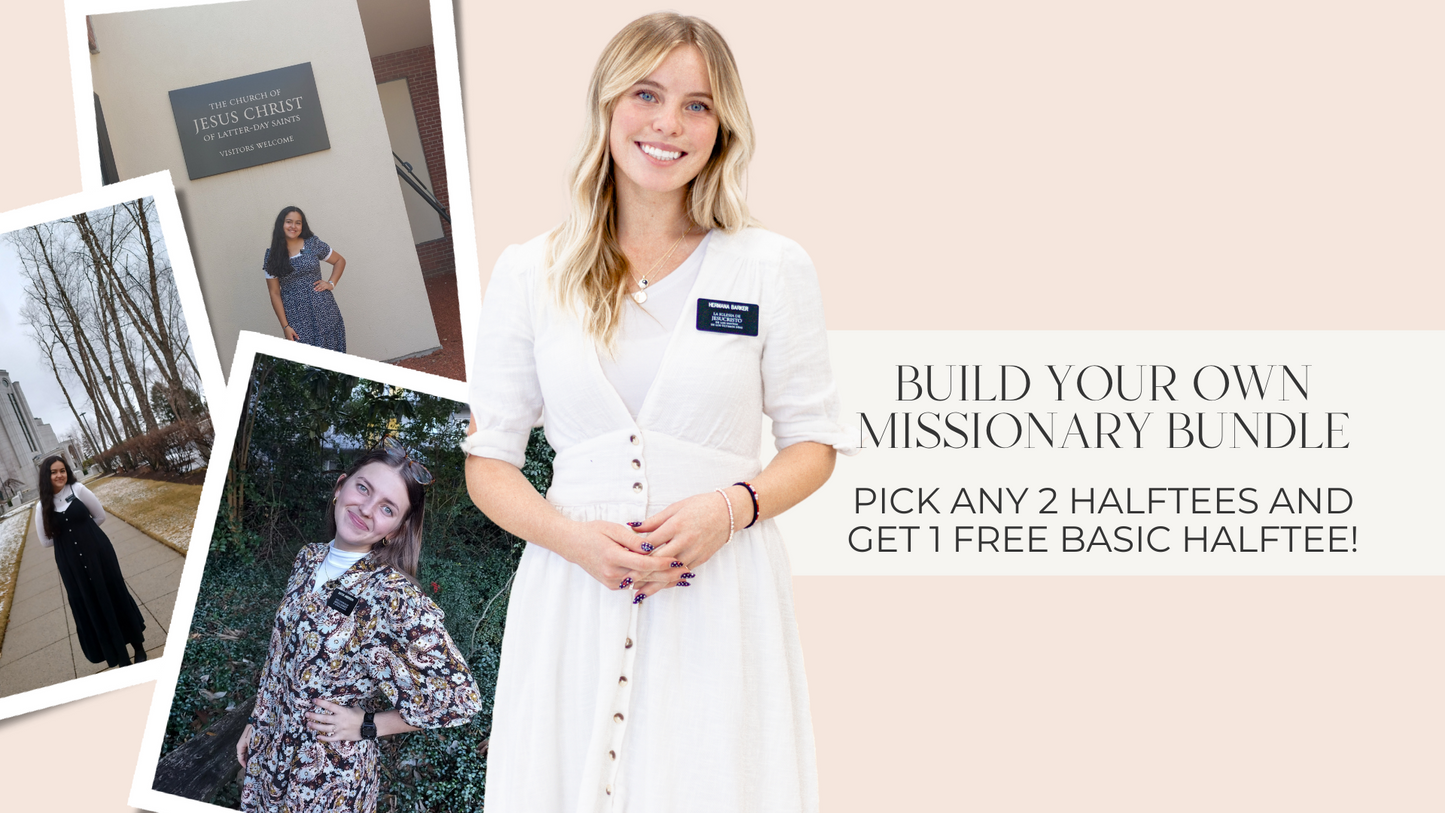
[(410, 465)]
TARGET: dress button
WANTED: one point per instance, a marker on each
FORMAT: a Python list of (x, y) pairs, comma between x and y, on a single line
[(635, 441), (612, 754), (637, 464), (609, 790), (622, 681), (617, 717), (637, 487), (627, 645)]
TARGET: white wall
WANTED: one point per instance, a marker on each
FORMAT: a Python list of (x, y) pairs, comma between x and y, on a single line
[(401, 126), (349, 192)]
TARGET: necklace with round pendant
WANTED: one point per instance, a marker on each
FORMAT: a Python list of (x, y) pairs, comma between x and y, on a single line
[(640, 295)]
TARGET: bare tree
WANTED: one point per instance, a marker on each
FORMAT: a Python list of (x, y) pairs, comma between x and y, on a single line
[(103, 309), (49, 273)]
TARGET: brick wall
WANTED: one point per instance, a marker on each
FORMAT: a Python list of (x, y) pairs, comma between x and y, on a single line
[(418, 67), (436, 255)]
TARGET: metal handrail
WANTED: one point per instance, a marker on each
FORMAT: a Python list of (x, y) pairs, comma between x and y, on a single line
[(416, 183)]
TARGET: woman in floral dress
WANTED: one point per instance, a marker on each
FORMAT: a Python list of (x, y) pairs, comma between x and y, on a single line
[(301, 298), (357, 651)]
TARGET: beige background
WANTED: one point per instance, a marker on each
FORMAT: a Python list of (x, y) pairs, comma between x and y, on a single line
[(349, 192), (1367, 385), (1042, 165)]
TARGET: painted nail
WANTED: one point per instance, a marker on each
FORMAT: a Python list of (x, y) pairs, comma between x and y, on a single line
[(637, 599), (646, 548), (684, 584), (689, 575), (624, 583), (678, 564), (634, 524)]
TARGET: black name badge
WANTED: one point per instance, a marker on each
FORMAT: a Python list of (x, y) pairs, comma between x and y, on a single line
[(342, 601), (718, 316)]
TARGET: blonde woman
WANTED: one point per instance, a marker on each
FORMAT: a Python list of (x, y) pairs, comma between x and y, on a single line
[(651, 658)]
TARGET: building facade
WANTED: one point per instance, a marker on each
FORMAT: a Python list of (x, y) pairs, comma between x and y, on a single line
[(350, 190), (25, 440)]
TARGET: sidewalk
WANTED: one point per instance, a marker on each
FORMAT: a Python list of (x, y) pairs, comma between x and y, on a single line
[(41, 648)]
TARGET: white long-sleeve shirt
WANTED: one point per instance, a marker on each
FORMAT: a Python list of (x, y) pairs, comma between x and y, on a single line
[(61, 500)]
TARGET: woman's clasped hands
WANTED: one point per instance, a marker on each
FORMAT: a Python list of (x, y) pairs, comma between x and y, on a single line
[(613, 554), (662, 550)]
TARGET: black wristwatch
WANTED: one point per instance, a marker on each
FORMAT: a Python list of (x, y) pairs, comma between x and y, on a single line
[(368, 726)]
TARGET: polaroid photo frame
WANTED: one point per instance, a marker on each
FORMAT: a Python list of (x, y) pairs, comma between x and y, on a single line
[(157, 187), (226, 419), (244, 308)]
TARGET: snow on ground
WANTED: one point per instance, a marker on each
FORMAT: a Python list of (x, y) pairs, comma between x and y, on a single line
[(12, 539), (164, 510)]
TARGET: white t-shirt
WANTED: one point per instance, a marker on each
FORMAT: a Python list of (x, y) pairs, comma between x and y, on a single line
[(646, 330)]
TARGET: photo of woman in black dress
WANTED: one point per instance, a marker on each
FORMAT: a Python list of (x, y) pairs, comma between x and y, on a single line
[(106, 617), (301, 298)]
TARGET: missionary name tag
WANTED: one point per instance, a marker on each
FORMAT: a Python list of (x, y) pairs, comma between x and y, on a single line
[(342, 601), (718, 316)]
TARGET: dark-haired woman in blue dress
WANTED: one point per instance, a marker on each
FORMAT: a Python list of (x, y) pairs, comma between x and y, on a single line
[(301, 298)]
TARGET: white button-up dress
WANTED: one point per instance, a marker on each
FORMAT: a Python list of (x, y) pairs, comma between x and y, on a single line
[(696, 699)]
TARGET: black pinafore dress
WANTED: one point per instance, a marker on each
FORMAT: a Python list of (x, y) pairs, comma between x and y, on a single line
[(106, 617)]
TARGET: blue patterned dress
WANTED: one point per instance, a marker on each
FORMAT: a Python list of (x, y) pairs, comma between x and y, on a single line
[(312, 314)]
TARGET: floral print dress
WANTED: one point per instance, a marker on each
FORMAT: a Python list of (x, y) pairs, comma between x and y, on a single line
[(311, 313), (391, 651)]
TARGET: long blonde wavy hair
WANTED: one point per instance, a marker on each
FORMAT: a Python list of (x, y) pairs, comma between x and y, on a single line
[(589, 272)]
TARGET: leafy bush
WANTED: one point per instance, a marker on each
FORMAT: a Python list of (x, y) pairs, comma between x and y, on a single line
[(177, 446)]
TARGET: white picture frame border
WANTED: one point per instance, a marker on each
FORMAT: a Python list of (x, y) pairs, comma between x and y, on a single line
[(226, 418), (158, 187), (449, 98)]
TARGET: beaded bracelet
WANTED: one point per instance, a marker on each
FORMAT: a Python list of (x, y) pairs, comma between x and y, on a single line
[(731, 525), (753, 493)]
